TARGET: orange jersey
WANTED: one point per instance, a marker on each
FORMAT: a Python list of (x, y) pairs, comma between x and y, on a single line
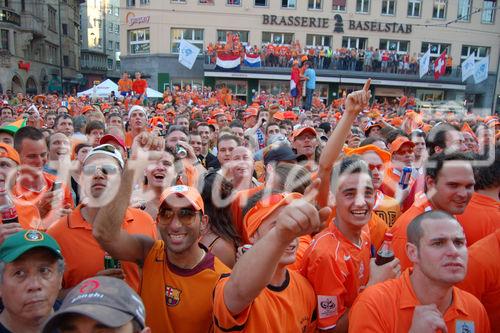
[(287, 308), (84, 257), (483, 274), (398, 230), (387, 208), (338, 270), (176, 299), (388, 307), (480, 218), (124, 85), (139, 86)]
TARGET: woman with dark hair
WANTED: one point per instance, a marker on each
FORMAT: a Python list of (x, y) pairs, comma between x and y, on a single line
[(220, 237)]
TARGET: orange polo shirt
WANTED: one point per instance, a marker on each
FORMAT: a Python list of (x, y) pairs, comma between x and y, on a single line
[(177, 299), (287, 308), (483, 276), (388, 307), (398, 230), (26, 199), (338, 271), (480, 218), (84, 257)]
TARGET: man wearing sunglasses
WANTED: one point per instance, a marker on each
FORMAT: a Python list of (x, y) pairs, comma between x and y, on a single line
[(100, 177), (178, 274)]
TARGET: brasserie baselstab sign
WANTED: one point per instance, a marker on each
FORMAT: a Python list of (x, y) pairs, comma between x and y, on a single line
[(318, 22)]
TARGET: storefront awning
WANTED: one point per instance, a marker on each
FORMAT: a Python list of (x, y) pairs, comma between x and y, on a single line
[(389, 92)]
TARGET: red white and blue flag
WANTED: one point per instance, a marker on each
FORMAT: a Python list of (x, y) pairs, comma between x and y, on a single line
[(227, 62), (252, 60)]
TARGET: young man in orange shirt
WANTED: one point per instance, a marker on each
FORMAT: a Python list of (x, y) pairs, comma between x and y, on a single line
[(125, 85), (261, 295), (449, 183), (139, 87), (482, 215), (138, 121), (424, 298), (178, 274), (482, 276), (84, 257)]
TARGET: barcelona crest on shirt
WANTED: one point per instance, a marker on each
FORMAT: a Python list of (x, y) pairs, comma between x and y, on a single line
[(172, 296)]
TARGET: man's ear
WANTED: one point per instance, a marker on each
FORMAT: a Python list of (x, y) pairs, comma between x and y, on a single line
[(412, 252), (204, 222)]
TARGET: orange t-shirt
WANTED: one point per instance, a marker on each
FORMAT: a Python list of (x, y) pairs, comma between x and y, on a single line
[(338, 270), (139, 86), (287, 308), (398, 230), (483, 274), (84, 257), (480, 218), (388, 307), (25, 201), (124, 85), (176, 299)]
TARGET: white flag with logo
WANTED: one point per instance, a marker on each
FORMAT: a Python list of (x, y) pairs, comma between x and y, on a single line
[(424, 63), (187, 53), (481, 70), (468, 67)]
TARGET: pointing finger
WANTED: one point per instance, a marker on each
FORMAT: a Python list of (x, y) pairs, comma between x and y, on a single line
[(366, 87)]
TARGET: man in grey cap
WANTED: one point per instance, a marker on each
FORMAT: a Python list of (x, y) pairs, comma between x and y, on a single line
[(100, 303), (31, 270)]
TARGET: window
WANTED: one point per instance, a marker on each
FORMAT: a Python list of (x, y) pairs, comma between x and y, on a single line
[(478, 51), (99, 42), (488, 12), (464, 8), (178, 1), (117, 46), (144, 2), (338, 5), (260, 3), (233, 2), (118, 65), (318, 40), (110, 64), (274, 87), (222, 36), (277, 37), (130, 3), (388, 7), (436, 48), (206, 2), (65, 29), (354, 42), (116, 10), (194, 36), (288, 4), (414, 8), (182, 83), (439, 9), (139, 41), (314, 4), (401, 46), (362, 6), (110, 27), (97, 23), (109, 9), (65, 60), (52, 19), (110, 45), (52, 54), (4, 39), (117, 28)]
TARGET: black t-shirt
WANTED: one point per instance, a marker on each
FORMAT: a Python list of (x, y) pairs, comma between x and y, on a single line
[(4, 329)]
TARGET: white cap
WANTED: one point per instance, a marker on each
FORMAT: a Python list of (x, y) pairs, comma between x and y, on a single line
[(135, 108), (109, 150)]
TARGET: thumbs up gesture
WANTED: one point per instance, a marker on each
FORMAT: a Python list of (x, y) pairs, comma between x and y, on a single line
[(358, 100)]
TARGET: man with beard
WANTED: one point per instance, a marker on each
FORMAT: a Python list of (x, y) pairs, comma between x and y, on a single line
[(178, 274), (31, 269), (424, 298), (449, 184), (84, 257)]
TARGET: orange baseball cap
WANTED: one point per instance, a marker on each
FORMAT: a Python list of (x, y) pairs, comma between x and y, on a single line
[(383, 154), (263, 209), (290, 115), (302, 130), (250, 112), (87, 108), (399, 142), (279, 116), (190, 193), (9, 152)]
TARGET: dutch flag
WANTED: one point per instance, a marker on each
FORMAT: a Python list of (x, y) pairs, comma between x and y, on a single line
[(252, 60), (227, 62)]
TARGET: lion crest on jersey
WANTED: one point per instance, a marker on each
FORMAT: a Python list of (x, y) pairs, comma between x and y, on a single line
[(172, 296)]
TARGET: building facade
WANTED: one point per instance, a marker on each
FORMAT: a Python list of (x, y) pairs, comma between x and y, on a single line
[(152, 29), (100, 50), (39, 44)]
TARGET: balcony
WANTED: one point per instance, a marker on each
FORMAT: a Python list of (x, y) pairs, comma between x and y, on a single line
[(32, 23)]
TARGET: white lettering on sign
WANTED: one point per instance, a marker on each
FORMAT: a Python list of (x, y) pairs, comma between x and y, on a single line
[(132, 19)]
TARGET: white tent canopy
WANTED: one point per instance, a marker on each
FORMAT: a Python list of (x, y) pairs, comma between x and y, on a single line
[(105, 88)]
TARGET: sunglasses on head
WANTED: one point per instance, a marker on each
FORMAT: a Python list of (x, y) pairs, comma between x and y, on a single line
[(107, 169)]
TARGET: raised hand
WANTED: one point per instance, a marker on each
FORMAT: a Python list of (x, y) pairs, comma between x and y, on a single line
[(358, 100)]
